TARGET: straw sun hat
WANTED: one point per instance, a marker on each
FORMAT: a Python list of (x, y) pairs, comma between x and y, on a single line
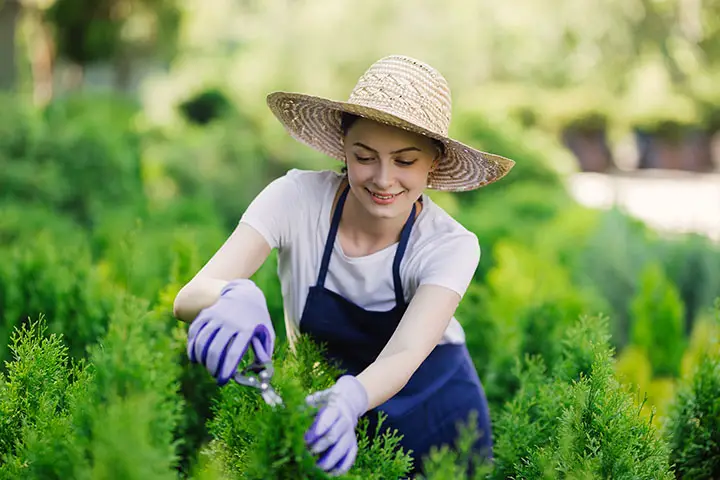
[(403, 92)]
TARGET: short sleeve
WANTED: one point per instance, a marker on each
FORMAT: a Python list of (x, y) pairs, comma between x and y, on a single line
[(450, 263), (269, 212)]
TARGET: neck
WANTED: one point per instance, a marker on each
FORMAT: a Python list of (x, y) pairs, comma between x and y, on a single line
[(364, 233)]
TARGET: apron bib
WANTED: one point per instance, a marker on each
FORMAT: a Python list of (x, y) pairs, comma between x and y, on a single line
[(443, 391)]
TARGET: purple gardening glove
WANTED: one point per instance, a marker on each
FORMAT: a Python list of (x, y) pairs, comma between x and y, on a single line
[(333, 431), (221, 333)]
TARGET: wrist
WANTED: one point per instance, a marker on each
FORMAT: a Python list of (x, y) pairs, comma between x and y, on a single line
[(355, 393)]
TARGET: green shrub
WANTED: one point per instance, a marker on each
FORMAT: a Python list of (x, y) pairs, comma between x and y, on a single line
[(21, 223), (54, 276), (205, 106), (37, 436), (658, 322), (525, 307), (17, 123), (77, 161), (519, 212), (610, 261), (693, 428), (114, 417), (577, 421), (531, 163), (256, 441), (141, 254), (224, 165), (136, 362), (125, 444), (692, 263), (116, 111)]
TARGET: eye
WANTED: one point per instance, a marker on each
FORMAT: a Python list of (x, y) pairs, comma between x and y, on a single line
[(363, 159), (405, 163)]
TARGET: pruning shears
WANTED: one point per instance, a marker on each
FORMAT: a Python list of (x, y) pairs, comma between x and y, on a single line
[(259, 375)]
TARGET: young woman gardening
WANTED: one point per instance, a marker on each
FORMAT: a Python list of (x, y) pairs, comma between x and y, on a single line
[(368, 264)]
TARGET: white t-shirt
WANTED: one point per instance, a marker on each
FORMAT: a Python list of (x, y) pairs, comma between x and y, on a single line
[(293, 214)]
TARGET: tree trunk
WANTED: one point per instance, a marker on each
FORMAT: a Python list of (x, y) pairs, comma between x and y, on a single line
[(9, 15), (43, 63)]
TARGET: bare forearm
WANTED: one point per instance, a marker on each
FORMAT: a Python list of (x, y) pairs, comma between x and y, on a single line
[(196, 295), (429, 313), (239, 257), (388, 375)]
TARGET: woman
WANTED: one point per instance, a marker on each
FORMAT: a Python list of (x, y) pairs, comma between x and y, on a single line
[(369, 265)]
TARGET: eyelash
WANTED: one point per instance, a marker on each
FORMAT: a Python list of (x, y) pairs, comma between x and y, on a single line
[(400, 162)]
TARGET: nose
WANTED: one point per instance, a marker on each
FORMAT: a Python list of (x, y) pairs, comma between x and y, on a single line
[(383, 176)]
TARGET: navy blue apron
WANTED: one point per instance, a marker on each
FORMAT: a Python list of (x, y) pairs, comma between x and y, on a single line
[(442, 391)]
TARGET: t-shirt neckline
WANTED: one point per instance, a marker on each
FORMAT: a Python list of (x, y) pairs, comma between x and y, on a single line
[(337, 247)]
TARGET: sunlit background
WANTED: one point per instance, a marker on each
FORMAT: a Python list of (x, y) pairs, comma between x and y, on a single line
[(133, 134)]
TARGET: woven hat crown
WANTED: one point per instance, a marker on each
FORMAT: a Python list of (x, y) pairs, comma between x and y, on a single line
[(408, 89)]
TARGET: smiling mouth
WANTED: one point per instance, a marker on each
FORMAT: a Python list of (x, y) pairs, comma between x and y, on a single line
[(383, 196)]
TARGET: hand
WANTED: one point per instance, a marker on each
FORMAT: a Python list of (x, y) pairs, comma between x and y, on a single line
[(221, 333), (333, 431)]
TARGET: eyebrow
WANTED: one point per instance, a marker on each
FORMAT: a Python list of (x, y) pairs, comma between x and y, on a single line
[(406, 149)]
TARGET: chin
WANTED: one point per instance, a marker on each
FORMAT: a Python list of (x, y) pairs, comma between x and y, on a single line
[(386, 211), (383, 212)]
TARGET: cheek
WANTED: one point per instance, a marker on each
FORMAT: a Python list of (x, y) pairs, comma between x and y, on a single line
[(415, 179), (359, 172)]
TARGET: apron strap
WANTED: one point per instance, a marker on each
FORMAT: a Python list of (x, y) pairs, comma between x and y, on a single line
[(399, 253), (330, 242)]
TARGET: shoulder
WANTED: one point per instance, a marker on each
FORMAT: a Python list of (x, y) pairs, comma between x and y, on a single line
[(312, 181), (300, 188), (437, 230), (444, 252), (288, 202)]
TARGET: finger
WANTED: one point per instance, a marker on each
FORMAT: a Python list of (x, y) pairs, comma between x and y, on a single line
[(325, 418), (324, 442), (261, 352), (330, 460), (347, 462), (263, 342), (197, 324), (195, 328), (203, 339), (218, 349), (329, 439), (235, 352)]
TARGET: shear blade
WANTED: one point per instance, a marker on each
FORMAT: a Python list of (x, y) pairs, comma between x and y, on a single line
[(271, 397)]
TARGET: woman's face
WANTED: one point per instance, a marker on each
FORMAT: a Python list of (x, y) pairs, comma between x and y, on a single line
[(387, 167)]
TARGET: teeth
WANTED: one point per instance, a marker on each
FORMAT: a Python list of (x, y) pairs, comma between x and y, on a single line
[(383, 197)]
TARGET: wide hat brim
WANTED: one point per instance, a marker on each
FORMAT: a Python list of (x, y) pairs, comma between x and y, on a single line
[(315, 121)]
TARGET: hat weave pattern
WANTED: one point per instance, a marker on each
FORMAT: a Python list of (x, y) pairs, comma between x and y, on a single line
[(401, 92)]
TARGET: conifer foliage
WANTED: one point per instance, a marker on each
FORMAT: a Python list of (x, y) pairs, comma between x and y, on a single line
[(577, 421), (694, 426), (255, 441)]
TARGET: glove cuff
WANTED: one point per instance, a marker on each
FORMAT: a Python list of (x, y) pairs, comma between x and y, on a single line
[(238, 283), (354, 393)]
